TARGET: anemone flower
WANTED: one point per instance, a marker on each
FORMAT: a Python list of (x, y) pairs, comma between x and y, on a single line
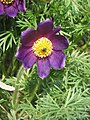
[(12, 7), (44, 47)]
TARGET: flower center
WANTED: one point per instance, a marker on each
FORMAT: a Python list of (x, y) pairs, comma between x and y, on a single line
[(42, 47), (7, 1)]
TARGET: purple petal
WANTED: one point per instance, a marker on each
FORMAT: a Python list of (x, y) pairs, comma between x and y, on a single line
[(43, 67), (45, 27), (56, 30), (11, 11), (29, 60), (22, 52), (28, 37), (1, 8), (21, 5), (53, 32), (57, 60), (59, 42)]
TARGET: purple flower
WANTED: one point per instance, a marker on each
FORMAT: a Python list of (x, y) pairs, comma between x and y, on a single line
[(44, 47), (12, 7)]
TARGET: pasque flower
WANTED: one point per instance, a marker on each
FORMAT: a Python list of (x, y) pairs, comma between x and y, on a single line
[(12, 7), (44, 47)]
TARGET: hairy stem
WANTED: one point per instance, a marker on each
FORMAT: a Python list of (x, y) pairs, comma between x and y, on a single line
[(15, 95), (35, 89)]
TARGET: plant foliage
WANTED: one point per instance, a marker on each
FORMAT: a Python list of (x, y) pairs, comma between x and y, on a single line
[(64, 94)]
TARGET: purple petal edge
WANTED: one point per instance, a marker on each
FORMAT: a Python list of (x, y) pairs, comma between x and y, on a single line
[(57, 60), (45, 27), (43, 67), (29, 60)]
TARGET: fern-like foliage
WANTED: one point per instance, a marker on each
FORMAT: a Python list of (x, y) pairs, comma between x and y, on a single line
[(64, 94), (6, 40)]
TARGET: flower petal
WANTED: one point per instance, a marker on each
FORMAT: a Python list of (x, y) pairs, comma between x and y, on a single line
[(29, 60), (28, 37), (22, 52), (43, 67), (21, 6), (11, 11), (54, 31), (57, 60), (59, 42), (1, 8), (45, 27)]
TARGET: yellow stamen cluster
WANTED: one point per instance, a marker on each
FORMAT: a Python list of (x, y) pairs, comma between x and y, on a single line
[(7, 1), (42, 47)]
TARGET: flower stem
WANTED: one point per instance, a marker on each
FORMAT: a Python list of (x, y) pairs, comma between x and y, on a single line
[(37, 86), (35, 89), (15, 95)]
